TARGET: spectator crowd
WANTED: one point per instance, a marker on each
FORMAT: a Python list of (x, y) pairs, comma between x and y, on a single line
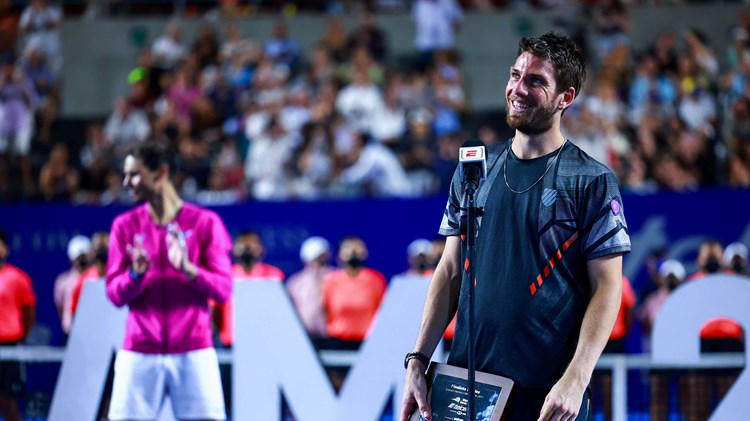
[(267, 121)]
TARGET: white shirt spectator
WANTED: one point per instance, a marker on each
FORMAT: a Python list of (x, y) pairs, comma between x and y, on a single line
[(379, 168), (40, 23), (255, 123), (697, 110), (359, 103), (388, 123), (434, 21), (293, 117), (126, 126), (265, 166), (168, 48)]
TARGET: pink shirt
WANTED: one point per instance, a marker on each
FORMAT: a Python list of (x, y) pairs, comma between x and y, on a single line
[(306, 290), (169, 313)]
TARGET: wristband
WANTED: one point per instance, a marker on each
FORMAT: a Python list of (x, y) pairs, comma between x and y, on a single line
[(135, 275), (416, 356)]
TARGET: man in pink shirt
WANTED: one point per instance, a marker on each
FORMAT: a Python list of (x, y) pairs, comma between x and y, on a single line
[(249, 252), (306, 286), (167, 259)]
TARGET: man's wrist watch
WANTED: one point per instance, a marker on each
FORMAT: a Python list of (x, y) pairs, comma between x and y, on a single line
[(424, 359)]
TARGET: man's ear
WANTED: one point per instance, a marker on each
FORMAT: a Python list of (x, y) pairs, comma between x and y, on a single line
[(163, 172), (568, 96)]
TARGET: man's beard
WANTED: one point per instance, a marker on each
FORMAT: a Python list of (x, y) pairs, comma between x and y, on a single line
[(536, 121)]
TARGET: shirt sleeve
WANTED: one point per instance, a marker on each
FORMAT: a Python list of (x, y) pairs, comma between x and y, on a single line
[(121, 287), (278, 274), (605, 231), (451, 222), (214, 266)]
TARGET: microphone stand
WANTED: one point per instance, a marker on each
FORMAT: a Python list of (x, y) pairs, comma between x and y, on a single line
[(470, 275)]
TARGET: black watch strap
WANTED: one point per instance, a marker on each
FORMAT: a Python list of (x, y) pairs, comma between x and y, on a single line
[(417, 356)]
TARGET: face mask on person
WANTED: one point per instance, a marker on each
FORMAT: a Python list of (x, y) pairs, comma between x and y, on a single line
[(738, 266), (672, 282), (247, 257), (80, 263), (356, 261), (101, 255), (712, 266), (422, 264)]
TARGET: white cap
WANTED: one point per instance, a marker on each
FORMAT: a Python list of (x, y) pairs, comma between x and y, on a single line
[(312, 248), (734, 249), (419, 246), (672, 267), (78, 245)]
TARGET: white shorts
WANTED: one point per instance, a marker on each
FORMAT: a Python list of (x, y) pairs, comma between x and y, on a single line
[(191, 379), (18, 143)]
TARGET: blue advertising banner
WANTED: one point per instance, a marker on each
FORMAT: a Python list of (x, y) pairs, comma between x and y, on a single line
[(672, 222)]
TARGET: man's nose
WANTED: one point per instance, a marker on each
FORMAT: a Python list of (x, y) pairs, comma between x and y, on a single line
[(519, 88)]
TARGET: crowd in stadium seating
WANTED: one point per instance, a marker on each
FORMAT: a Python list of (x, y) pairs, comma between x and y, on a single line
[(264, 121)]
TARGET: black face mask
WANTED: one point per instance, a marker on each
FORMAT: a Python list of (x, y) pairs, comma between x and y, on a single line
[(80, 263), (422, 264), (355, 261), (712, 266), (101, 255), (672, 282), (247, 257)]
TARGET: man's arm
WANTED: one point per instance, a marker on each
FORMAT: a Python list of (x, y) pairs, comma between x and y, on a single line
[(212, 275), (564, 400), (440, 306), (124, 279)]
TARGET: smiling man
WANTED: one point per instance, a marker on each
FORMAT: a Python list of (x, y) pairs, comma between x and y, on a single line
[(549, 253), (167, 258)]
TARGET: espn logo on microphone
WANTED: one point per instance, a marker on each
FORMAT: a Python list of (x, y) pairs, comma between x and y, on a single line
[(472, 154)]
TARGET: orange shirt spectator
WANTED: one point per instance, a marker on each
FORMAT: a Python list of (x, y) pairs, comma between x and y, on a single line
[(88, 275), (100, 251), (351, 302), (17, 301)]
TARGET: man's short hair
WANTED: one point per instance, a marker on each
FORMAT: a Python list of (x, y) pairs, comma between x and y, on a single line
[(247, 232), (570, 66), (152, 155)]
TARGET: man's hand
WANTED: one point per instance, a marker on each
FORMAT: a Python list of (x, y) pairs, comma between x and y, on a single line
[(415, 392), (564, 400), (138, 257), (178, 253)]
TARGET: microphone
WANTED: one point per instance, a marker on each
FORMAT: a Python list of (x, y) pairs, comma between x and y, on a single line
[(472, 161)]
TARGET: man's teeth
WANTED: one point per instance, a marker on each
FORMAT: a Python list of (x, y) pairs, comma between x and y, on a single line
[(520, 105)]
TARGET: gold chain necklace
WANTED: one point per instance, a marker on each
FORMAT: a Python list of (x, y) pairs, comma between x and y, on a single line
[(549, 165)]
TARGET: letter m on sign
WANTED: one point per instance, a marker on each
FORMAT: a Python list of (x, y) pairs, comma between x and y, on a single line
[(273, 355)]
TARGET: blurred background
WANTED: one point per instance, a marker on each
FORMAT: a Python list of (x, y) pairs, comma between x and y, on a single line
[(338, 118)]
